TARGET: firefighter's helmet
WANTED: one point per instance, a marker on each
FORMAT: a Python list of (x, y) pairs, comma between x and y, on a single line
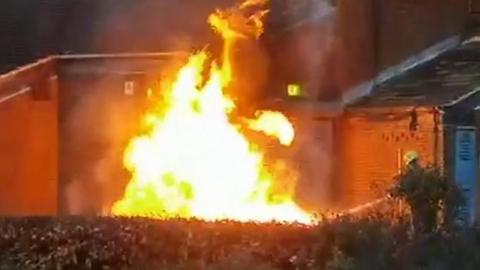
[(410, 156)]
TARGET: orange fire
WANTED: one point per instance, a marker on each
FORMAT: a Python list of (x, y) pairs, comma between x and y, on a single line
[(193, 161), (274, 124)]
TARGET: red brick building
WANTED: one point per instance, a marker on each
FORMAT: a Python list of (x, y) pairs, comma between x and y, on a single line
[(367, 96), (369, 49)]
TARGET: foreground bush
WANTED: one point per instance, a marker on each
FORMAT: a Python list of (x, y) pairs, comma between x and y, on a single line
[(109, 243)]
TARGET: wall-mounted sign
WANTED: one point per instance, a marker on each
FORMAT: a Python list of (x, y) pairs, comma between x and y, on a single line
[(129, 88), (466, 169), (294, 90)]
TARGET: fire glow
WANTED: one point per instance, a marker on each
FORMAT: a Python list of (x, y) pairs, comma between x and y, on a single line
[(193, 161)]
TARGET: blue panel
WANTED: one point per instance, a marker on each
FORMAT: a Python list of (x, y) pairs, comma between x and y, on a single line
[(466, 168)]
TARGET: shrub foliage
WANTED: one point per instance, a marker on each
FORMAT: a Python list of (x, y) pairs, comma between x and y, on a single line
[(370, 242), (429, 195)]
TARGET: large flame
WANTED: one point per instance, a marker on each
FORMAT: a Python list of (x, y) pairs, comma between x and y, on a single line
[(274, 124), (193, 161)]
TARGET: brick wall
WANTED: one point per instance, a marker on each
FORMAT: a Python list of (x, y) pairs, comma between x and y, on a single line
[(355, 43), (406, 27), (28, 151), (361, 39), (475, 6), (375, 34), (373, 148)]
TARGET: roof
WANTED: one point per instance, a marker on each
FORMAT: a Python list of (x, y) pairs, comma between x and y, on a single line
[(449, 77)]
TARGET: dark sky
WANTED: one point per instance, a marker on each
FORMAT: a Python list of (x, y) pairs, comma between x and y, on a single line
[(33, 29)]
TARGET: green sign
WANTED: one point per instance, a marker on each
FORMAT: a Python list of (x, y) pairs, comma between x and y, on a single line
[(294, 90)]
